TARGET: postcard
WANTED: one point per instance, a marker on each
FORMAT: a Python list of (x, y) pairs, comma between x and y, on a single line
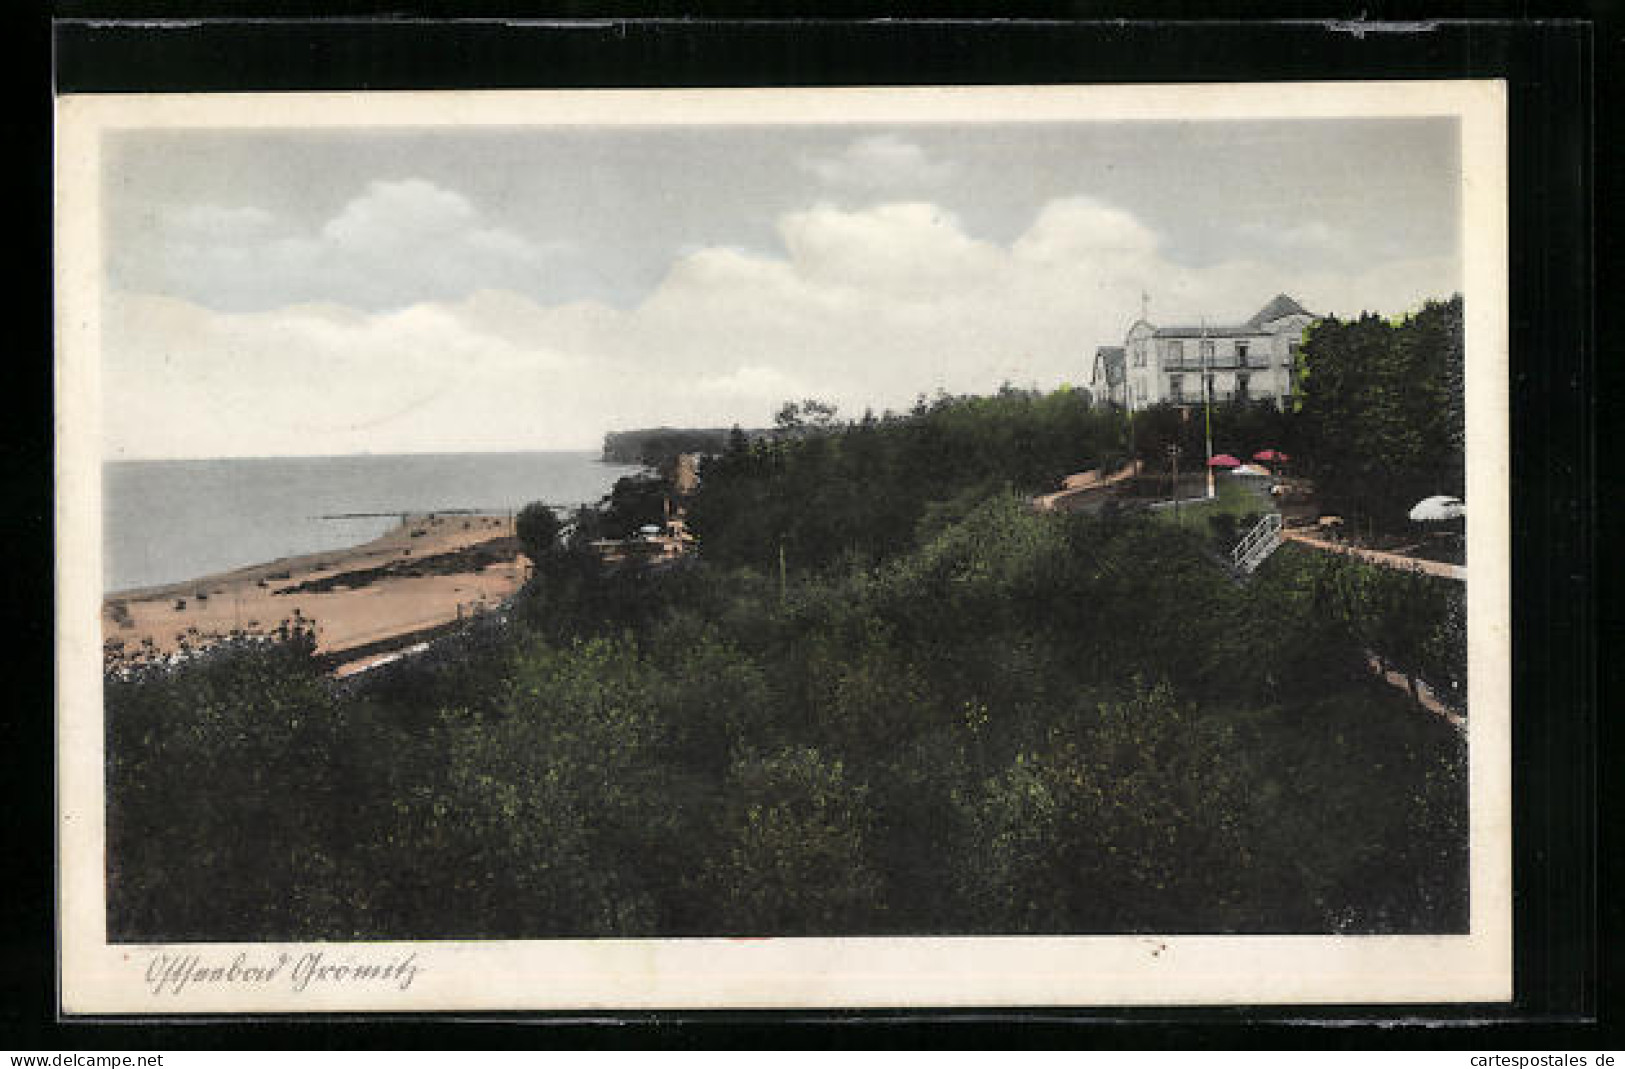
[(810, 548)]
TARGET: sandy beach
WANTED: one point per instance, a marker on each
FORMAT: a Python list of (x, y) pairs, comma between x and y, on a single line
[(427, 572)]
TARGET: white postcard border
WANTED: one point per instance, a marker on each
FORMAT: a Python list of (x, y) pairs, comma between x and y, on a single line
[(102, 978)]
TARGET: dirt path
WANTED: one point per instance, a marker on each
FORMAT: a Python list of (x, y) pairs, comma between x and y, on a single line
[(1083, 484), (1377, 556), (1424, 693)]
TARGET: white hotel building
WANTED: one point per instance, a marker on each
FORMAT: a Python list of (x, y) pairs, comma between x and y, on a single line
[(1248, 361)]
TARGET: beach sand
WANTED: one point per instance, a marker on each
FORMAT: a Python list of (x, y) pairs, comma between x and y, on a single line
[(429, 571)]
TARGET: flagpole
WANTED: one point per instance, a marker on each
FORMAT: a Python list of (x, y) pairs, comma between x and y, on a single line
[(1207, 408), (1128, 388)]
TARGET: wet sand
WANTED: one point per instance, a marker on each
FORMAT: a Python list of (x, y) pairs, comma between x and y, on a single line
[(429, 571)]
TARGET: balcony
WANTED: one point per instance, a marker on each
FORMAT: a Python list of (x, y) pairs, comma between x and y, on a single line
[(1194, 397), (1218, 362)]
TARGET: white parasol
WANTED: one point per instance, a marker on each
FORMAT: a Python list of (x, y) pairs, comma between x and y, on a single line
[(1438, 509)]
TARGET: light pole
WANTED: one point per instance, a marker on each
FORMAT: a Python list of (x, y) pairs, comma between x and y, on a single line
[(1133, 444), (1207, 407), (1173, 461)]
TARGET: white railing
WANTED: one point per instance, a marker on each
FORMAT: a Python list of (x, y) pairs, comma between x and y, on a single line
[(1259, 543)]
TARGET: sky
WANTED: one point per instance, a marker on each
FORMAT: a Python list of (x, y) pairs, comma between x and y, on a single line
[(274, 293)]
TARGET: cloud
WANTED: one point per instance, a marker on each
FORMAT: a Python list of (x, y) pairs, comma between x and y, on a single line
[(398, 215), (908, 250), (210, 222), (1079, 228), (192, 381), (752, 383), (866, 308), (1314, 241), (880, 162), (396, 243)]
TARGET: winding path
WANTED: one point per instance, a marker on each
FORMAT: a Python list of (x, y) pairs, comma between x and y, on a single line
[(1425, 695), (1386, 560), (1084, 484)]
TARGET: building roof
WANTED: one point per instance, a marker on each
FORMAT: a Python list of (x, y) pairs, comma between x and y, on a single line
[(1208, 332), (1280, 306), (1112, 357)]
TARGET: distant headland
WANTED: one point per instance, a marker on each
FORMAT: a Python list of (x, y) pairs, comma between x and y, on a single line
[(658, 446)]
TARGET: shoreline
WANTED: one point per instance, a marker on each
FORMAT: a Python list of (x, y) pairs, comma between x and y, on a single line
[(429, 571)]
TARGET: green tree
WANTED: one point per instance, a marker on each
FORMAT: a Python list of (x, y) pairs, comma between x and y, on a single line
[(538, 527), (937, 726), (1131, 816), (633, 502), (552, 790), (226, 773), (1382, 412), (794, 859), (859, 493)]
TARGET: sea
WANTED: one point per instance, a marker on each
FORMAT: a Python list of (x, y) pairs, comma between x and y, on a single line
[(165, 521)]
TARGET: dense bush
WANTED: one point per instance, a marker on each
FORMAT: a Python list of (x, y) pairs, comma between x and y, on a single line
[(827, 498), (979, 720), (537, 527), (1240, 428), (1383, 411)]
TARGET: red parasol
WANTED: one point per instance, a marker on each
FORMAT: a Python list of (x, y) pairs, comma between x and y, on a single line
[(1224, 460), (1270, 454)]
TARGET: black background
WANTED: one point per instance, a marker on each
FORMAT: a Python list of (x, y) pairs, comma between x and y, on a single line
[(1562, 737)]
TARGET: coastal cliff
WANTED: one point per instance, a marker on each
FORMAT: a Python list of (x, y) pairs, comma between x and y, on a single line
[(658, 446)]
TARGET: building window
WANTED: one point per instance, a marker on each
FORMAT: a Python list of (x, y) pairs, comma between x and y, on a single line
[(1176, 388), (1241, 386), (1241, 354), (1176, 352), (1207, 351), (1139, 354), (1207, 384)]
